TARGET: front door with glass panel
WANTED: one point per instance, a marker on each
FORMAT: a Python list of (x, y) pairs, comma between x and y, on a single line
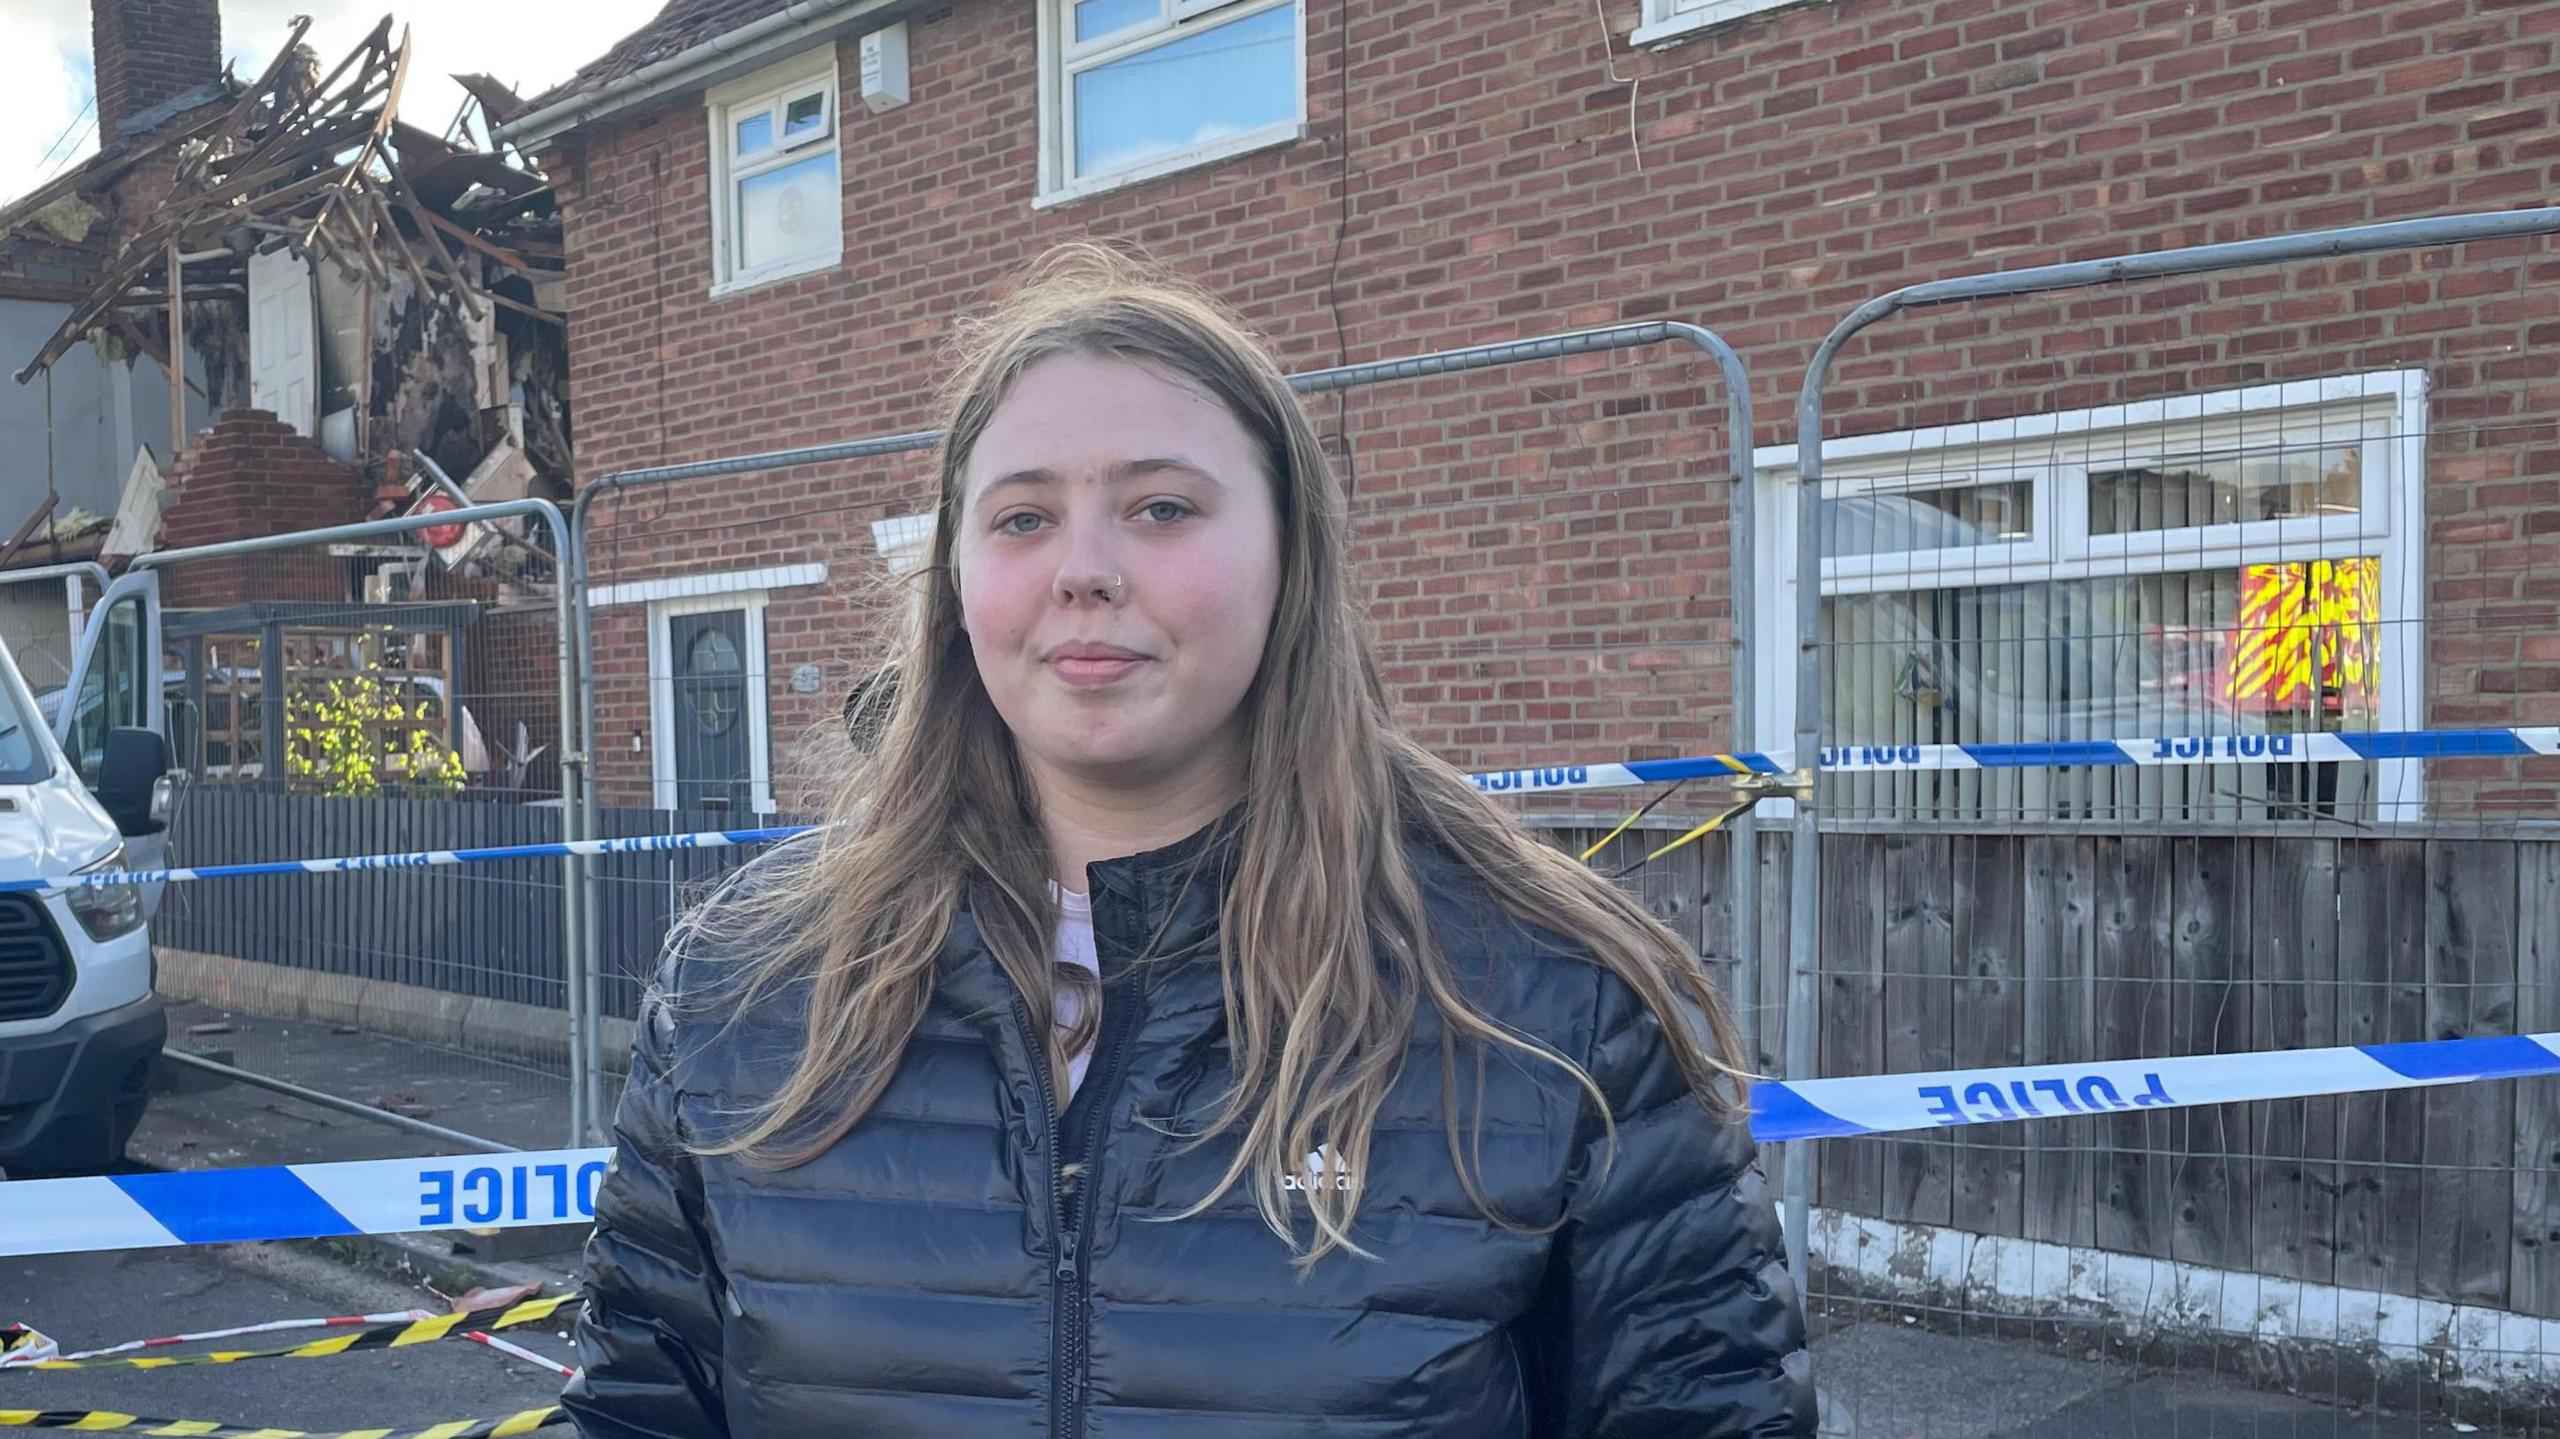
[(713, 745)]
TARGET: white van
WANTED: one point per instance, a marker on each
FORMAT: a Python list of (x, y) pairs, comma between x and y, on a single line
[(80, 1028)]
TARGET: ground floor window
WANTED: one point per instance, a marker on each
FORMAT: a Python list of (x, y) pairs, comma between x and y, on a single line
[(2244, 562)]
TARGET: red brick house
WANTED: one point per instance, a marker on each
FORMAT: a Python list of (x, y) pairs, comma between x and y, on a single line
[(2067, 516)]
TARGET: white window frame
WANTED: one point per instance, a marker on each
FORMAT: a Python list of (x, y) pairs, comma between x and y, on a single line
[(1061, 58), (723, 106), (729, 582), (905, 542), (662, 698), (2037, 549), (2387, 409), (1666, 20)]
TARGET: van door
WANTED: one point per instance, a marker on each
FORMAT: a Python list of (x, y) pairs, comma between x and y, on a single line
[(115, 684)]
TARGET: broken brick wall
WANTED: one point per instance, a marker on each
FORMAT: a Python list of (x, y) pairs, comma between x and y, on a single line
[(252, 475)]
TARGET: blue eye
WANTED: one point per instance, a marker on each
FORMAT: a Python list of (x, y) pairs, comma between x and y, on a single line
[(1008, 524), (1165, 512)]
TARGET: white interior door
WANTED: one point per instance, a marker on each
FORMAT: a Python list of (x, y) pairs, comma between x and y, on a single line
[(284, 328)]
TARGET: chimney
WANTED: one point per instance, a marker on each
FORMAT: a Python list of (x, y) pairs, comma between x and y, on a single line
[(147, 53)]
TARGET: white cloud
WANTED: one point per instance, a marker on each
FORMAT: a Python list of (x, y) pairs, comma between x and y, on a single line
[(44, 88), (45, 75)]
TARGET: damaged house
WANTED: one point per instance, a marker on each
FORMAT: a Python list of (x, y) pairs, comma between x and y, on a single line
[(365, 315)]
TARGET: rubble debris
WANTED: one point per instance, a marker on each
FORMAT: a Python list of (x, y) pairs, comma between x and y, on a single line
[(442, 260)]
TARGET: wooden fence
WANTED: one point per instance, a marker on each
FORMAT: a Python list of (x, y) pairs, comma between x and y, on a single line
[(1947, 950), (1938, 950)]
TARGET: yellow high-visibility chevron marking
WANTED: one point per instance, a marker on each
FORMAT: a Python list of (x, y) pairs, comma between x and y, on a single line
[(2305, 626)]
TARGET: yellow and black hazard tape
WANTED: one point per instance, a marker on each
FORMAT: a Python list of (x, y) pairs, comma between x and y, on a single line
[(380, 1336), (100, 1421)]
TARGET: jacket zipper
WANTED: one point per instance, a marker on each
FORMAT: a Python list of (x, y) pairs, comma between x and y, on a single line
[(1069, 1265), (1070, 1281)]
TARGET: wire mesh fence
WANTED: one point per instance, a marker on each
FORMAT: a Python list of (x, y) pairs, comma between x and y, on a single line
[(42, 610), (2203, 520), (336, 697)]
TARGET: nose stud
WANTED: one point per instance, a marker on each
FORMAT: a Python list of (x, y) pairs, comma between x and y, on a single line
[(1119, 589)]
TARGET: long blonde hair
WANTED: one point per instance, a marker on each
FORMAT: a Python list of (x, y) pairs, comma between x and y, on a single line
[(1324, 941)]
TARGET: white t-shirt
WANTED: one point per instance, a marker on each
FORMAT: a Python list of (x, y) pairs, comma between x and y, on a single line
[(1075, 946)]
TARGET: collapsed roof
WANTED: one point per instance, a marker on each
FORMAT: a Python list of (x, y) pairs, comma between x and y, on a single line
[(325, 163)]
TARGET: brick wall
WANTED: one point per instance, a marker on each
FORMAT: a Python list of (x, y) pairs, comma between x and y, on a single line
[(252, 475), (148, 51), (1545, 544)]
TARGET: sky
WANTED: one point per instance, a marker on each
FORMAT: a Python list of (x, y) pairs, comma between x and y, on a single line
[(46, 88)]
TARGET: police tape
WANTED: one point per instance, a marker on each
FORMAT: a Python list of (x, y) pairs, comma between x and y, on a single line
[(518, 1351), (1894, 1103), (404, 1334), (401, 1196), (2363, 747), (2359, 748), (104, 1421), (299, 1201), (412, 859)]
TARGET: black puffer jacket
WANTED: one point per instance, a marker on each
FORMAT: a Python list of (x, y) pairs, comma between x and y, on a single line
[(927, 1279)]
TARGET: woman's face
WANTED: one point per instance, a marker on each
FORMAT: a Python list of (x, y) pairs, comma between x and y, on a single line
[(1118, 560)]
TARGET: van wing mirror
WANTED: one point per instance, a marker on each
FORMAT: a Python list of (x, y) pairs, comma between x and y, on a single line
[(134, 763)]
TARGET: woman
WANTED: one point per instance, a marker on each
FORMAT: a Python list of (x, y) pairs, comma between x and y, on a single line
[(1155, 1042)]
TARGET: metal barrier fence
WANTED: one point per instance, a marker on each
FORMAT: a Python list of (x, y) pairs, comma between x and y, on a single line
[(753, 621), (341, 691), (42, 609), (2208, 499)]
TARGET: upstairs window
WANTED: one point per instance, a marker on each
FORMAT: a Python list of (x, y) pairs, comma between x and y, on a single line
[(1137, 88), (777, 194)]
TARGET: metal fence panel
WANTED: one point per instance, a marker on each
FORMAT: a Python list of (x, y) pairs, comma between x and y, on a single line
[(351, 692), (2221, 504)]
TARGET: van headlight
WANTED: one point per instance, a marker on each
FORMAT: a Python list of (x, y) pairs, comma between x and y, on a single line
[(106, 910)]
